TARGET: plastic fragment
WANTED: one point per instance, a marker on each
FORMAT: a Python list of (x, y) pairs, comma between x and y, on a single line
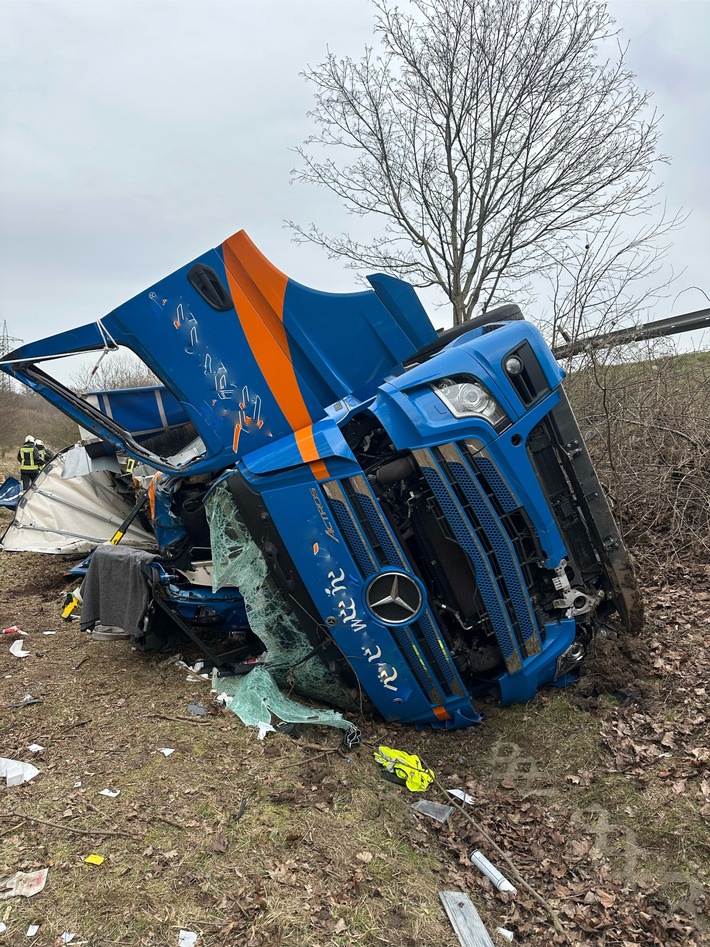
[(111, 793), (504, 932), (49, 632), (35, 748), (33, 929), (498, 879), (433, 809), (3, 927), (463, 796), (187, 939), (94, 859), (165, 750), (196, 710), (23, 884), (14, 630), (17, 773), (17, 649)]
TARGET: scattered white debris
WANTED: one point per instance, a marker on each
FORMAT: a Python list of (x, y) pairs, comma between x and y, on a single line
[(35, 748), (33, 929), (17, 773), (187, 939), (463, 796), (77, 784), (3, 927), (67, 938), (49, 632), (499, 880), (165, 750), (504, 932), (17, 649), (112, 793), (23, 884)]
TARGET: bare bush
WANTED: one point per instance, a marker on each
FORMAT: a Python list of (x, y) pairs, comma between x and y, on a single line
[(24, 412), (644, 413)]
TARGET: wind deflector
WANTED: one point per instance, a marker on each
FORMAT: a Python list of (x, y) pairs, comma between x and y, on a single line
[(210, 287)]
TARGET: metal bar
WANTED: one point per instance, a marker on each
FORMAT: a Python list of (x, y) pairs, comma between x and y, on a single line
[(674, 325)]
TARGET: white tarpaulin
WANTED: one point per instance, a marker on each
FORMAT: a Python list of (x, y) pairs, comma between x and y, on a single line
[(71, 516)]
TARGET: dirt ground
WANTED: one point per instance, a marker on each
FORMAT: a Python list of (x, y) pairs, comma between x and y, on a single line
[(599, 796)]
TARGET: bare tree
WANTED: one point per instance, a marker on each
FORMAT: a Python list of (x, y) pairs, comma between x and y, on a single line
[(118, 369), (484, 135)]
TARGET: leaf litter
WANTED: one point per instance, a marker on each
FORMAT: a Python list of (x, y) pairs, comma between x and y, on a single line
[(601, 810)]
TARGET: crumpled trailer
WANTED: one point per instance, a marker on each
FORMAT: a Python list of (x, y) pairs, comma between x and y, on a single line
[(405, 512)]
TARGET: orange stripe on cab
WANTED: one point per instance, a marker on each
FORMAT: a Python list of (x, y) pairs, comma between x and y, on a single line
[(258, 289)]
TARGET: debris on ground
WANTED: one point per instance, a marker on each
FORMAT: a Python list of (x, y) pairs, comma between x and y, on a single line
[(498, 879), (25, 702), (404, 768), (196, 710), (465, 919), (463, 796), (15, 772), (23, 884), (18, 650), (435, 810), (255, 696)]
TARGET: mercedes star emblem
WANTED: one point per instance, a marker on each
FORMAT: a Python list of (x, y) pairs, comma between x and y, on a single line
[(395, 598)]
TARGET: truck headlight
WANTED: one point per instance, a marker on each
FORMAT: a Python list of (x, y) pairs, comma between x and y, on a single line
[(467, 398)]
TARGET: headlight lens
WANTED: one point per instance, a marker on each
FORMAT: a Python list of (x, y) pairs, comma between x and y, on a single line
[(467, 398)]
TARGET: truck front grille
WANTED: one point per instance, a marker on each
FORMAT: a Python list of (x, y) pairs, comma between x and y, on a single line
[(477, 510), (374, 546)]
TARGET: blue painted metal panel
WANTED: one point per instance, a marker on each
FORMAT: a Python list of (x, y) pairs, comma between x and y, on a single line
[(10, 493)]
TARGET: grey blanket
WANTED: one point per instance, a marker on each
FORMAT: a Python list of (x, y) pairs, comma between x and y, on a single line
[(115, 592)]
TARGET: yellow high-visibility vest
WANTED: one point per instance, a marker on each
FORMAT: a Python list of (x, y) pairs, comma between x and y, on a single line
[(27, 459)]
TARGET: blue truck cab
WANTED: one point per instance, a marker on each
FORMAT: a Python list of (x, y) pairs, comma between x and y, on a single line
[(428, 520)]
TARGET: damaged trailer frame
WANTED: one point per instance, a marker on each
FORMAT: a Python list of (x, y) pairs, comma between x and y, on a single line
[(407, 513)]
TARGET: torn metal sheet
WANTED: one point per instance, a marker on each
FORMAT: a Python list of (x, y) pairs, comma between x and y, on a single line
[(71, 516)]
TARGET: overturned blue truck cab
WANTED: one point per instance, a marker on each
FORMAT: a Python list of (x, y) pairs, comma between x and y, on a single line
[(406, 513)]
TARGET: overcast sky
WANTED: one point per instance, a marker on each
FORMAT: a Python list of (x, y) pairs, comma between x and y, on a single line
[(134, 136)]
